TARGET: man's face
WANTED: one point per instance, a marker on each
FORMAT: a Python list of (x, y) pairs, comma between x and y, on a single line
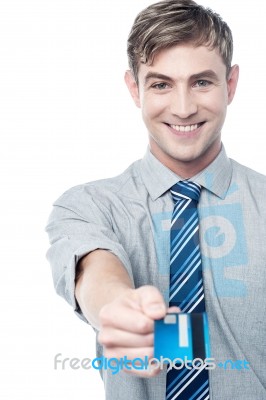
[(183, 96)]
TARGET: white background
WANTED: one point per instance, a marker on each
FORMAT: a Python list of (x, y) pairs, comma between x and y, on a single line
[(66, 118)]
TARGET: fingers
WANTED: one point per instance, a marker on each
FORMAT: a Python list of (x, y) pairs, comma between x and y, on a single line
[(127, 326), (152, 302), (152, 370), (122, 317), (173, 309), (111, 337), (135, 311), (130, 352)]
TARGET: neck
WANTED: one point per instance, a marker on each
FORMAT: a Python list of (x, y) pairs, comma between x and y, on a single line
[(190, 168)]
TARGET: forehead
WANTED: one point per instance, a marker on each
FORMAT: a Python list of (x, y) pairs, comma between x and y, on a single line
[(183, 61)]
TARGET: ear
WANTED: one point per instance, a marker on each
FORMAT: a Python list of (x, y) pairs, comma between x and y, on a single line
[(232, 82), (132, 87)]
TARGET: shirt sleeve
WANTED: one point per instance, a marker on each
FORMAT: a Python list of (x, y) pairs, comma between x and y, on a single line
[(79, 223)]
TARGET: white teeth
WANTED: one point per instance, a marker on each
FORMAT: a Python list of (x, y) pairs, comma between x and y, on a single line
[(182, 128)]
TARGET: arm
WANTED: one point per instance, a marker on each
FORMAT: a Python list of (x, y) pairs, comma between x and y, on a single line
[(78, 226), (123, 315), (100, 279)]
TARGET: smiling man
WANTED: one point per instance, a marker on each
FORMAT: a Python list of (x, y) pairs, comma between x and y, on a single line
[(183, 229), (184, 95)]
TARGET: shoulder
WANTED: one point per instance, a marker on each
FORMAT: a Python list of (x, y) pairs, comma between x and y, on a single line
[(99, 190), (246, 175)]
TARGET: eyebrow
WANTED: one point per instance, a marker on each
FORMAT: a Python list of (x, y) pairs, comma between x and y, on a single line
[(203, 74), (156, 75), (209, 73)]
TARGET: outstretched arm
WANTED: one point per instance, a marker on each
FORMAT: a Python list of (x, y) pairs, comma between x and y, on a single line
[(123, 315)]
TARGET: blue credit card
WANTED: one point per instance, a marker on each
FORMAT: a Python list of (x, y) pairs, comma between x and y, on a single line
[(182, 336)]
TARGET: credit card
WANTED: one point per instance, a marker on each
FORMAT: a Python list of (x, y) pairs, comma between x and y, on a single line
[(182, 336)]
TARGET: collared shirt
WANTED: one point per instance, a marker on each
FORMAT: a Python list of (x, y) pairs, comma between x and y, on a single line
[(130, 215)]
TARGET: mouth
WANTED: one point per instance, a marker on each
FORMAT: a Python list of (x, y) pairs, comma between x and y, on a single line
[(186, 128)]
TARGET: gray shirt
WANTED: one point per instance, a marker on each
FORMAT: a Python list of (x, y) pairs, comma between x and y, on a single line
[(129, 215)]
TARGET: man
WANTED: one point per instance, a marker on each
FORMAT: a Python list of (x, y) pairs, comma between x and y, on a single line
[(110, 250)]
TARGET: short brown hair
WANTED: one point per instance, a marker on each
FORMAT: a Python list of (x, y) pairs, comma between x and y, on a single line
[(171, 22)]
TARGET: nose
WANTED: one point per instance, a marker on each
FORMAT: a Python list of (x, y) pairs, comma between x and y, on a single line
[(183, 104)]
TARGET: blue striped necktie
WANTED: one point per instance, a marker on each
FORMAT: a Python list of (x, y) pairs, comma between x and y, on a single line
[(186, 284)]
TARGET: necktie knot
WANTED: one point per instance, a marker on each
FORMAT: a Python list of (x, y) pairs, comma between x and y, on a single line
[(185, 190)]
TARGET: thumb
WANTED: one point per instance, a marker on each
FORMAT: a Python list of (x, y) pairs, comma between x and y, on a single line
[(152, 302)]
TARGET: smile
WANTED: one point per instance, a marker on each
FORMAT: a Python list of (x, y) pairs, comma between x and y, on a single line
[(186, 128)]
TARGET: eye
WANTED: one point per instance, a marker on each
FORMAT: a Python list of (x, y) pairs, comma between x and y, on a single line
[(160, 86), (202, 83)]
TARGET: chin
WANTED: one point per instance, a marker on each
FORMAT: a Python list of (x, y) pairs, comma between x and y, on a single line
[(185, 157)]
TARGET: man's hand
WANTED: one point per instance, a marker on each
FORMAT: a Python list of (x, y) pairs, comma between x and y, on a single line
[(124, 316), (127, 325)]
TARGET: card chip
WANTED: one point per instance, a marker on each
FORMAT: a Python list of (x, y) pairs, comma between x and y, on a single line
[(170, 319)]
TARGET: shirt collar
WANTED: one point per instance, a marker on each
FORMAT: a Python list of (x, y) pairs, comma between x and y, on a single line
[(158, 179)]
